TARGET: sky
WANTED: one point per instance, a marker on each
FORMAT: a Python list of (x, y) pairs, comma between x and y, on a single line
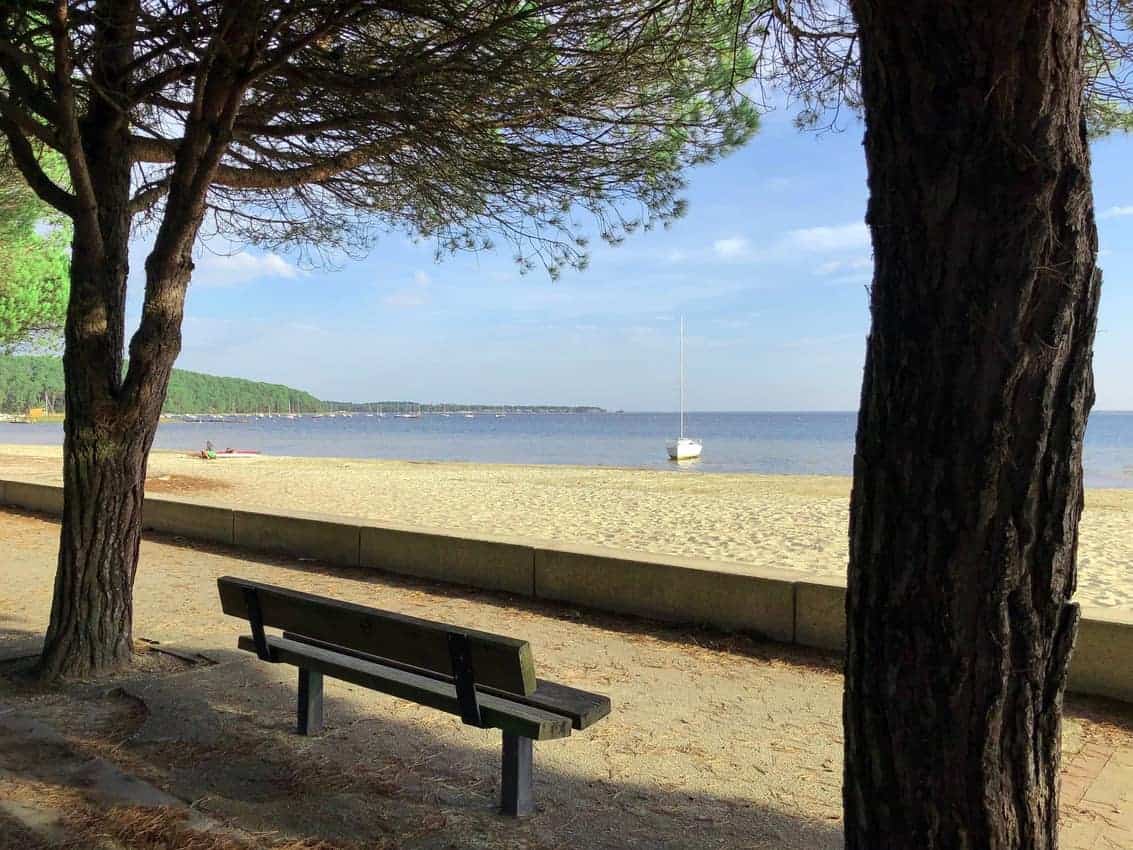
[(769, 269)]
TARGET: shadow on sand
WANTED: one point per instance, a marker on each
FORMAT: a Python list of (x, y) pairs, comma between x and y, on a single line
[(385, 773), (220, 737)]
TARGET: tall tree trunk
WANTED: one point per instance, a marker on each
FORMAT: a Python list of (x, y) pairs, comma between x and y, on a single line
[(107, 437), (967, 475), (107, 433)]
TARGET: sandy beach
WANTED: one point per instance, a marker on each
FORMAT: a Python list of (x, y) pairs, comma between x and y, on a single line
[(778, 521)]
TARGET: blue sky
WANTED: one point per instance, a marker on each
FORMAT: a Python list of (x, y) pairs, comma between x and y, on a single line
[(769, 267)]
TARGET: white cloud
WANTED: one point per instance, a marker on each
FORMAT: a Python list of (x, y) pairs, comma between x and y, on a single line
[(242, 267), (1116, 212), (730, 248), (823, 239), (839, 241), (410, 296), (854, 264)]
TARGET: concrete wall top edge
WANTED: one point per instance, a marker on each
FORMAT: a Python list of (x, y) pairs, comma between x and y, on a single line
[(33, 481), (1111, 616), (186, 500), (453, 533), (826, 583), (259, 511), (700, 564)]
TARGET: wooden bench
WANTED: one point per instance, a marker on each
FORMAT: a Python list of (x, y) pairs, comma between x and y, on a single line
[(486, 679)]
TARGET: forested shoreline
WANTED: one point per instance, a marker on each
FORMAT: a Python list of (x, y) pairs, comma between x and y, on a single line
[(31, 382), (37, 382)]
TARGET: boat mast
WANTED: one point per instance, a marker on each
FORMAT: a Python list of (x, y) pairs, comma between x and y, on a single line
[(682, 436)]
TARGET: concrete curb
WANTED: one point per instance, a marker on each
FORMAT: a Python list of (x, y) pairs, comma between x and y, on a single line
[(820, 614), (497, 564), (1103, 658), (195, 520), (772, 603), (33, 496), (672, 589), (330, 539)]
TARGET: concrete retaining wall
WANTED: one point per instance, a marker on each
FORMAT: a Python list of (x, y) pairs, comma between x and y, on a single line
[(1103, 657), (820, 615), (680, 590), (491, 564), (329, 539), (41, 498), (672, 589), (195, 520)]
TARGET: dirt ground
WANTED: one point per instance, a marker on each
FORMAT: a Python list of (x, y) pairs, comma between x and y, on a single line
[(714, 741)]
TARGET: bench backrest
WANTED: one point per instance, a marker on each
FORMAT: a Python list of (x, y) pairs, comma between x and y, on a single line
[(497, 661)]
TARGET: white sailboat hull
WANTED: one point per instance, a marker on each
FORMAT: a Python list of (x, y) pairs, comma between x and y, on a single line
[(685, 448)]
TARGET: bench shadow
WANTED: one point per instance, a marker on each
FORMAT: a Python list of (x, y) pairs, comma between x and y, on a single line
[(387, 773)]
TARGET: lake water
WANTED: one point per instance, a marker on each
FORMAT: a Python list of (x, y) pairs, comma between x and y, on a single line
[(788, 443)]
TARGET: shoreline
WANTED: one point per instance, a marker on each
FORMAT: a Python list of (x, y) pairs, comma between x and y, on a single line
[(780, 449), (754, 520)]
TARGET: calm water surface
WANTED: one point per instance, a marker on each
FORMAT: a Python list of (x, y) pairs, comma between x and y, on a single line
[(784, 443)]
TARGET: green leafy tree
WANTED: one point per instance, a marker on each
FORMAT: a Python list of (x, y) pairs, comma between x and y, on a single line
[(315, 123), (34, 260)]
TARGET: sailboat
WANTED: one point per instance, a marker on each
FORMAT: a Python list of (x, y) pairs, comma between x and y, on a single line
[(414, 414), (684, 448)]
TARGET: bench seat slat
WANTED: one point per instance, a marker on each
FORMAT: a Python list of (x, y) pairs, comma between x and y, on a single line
[(582, 707), (502, 662), (496, 712)]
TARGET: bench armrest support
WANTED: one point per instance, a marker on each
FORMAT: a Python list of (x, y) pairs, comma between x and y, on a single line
[(464, 678), (256, 621)]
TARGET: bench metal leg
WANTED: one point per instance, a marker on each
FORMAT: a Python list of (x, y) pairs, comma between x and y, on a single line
[(517, 788), (310, 714)]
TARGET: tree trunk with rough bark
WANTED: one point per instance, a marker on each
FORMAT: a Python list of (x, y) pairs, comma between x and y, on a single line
[(978, 382), (103, 473), (103, 456), (108, 432)]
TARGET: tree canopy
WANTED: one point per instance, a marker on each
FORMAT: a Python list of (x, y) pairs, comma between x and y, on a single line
[(33, 263), (319, 121), (809, 50)]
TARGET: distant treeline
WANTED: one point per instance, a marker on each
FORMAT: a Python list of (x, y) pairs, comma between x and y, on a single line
[(416, 407), (37, 382), (30, 382)]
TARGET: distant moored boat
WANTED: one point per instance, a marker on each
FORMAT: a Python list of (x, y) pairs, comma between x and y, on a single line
[(684, 448)]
